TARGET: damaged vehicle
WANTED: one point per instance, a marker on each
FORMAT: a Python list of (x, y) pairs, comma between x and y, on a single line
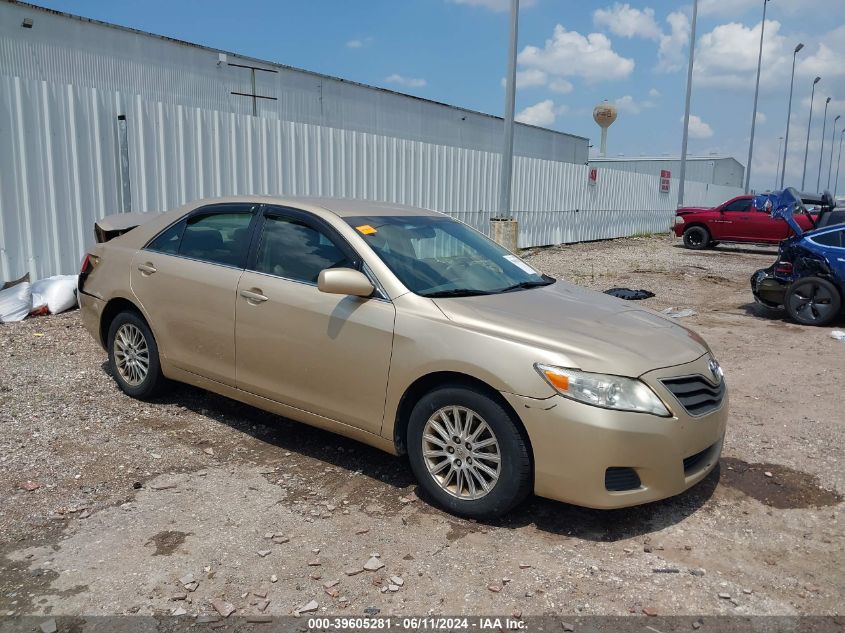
[(808, 278), (412, 332)]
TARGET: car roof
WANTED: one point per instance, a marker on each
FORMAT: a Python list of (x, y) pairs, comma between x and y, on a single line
[(342, 207)]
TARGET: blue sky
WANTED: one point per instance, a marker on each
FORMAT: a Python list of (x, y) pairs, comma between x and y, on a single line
[(572, 56)]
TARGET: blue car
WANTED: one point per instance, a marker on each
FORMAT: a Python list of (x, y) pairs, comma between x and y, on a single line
[(808, 278)]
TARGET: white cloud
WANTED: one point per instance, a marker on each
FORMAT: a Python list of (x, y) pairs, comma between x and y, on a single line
[(627, 21), (654, 93), (560, 86), (496, 5), (671, 52), (829, 59), (568, 53), (698, 128), (359, 43), (530, 78), (761, 118), (632, 106), (542, 114), (408, 82), (726, 58)]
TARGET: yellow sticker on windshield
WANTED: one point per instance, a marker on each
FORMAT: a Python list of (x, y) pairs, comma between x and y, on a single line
[(366, 229)]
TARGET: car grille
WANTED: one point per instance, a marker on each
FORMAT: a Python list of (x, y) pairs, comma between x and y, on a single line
[(696, 394), (621, 479)]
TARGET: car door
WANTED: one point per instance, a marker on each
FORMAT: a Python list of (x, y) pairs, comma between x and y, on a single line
[(735, 220), (186, 280), (323, 353)]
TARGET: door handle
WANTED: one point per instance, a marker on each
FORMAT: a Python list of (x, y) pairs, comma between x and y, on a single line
[(253, 296), (147, 269)]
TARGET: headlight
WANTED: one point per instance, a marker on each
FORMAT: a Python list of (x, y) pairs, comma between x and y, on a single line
[(679, 219), (602, 390)]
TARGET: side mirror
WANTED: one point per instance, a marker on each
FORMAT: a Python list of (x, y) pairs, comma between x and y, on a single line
[(344, 281)]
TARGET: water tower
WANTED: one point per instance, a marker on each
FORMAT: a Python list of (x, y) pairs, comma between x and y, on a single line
[(604, 114)]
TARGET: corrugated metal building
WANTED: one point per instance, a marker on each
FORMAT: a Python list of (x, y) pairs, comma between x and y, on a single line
[(67, 49), (96, 119), (723, 171)]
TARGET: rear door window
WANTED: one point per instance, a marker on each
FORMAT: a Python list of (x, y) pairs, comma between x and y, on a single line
[(218, 236)]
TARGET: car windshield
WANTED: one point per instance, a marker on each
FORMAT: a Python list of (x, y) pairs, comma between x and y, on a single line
[(435, 256)]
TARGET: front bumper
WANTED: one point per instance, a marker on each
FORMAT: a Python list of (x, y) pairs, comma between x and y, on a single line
[(767, 289), (575, 444)]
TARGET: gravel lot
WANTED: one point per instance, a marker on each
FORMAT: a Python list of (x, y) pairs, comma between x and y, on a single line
[(113, 506)]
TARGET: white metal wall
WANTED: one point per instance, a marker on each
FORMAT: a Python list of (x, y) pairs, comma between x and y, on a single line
[(60, 170)]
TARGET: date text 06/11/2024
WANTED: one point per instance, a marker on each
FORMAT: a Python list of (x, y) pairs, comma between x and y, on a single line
[(427, 623)]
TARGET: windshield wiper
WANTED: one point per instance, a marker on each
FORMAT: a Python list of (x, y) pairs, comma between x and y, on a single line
[(456, 292), (527, 284)]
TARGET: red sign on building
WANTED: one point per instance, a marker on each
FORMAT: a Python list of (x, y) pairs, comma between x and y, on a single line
[(665, 175), (594, 175)]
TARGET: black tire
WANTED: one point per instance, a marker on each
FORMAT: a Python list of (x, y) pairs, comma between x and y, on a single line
[(514, 481), (813, 301), (696, 238), (154, 381)]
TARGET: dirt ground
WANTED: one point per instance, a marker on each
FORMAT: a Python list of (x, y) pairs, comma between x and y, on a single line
[(113, 506)]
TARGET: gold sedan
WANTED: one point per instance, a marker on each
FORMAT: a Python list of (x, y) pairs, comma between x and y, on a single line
[(412, 332)]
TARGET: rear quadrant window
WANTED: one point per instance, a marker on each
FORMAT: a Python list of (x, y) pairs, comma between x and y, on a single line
[(168, 240)]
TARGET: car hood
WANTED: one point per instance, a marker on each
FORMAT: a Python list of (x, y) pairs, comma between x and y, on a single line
[(688, 210), (593, 331)]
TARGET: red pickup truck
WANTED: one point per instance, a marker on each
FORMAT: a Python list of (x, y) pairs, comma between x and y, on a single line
[(734, 221)]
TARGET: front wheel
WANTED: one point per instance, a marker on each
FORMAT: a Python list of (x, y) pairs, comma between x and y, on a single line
[(467, 453), (813, 301), (133, 356), (696, 237)]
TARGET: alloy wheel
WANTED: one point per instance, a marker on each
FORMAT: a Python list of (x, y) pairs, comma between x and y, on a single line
[(131, 354), (461, 452), (810, 301)]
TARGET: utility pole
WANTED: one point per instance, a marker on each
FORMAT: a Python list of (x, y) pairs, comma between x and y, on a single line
[(506, 173), (832, 143), (777, 168), (838, 163), (789, 114), (756, 94), (682, 176), (821, 151), (809, 126)]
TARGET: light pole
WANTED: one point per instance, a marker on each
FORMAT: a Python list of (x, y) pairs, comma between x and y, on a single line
[(809, 126), (821, 151), (682, 175), (510, 95), (756, 93), (838, 163), (789, 114), (777, 168), (832, 142)]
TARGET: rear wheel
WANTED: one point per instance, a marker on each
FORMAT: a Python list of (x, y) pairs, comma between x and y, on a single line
[(813, 301), (467, 453), (696, 237), (133, 356)]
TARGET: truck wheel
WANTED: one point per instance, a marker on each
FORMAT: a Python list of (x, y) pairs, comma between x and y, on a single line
[(467, 453), (813, 301), (696, 238)]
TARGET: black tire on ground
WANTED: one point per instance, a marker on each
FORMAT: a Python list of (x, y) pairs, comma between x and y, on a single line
[(813, 301), (154, 381), (696, 237), (514, 481)]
